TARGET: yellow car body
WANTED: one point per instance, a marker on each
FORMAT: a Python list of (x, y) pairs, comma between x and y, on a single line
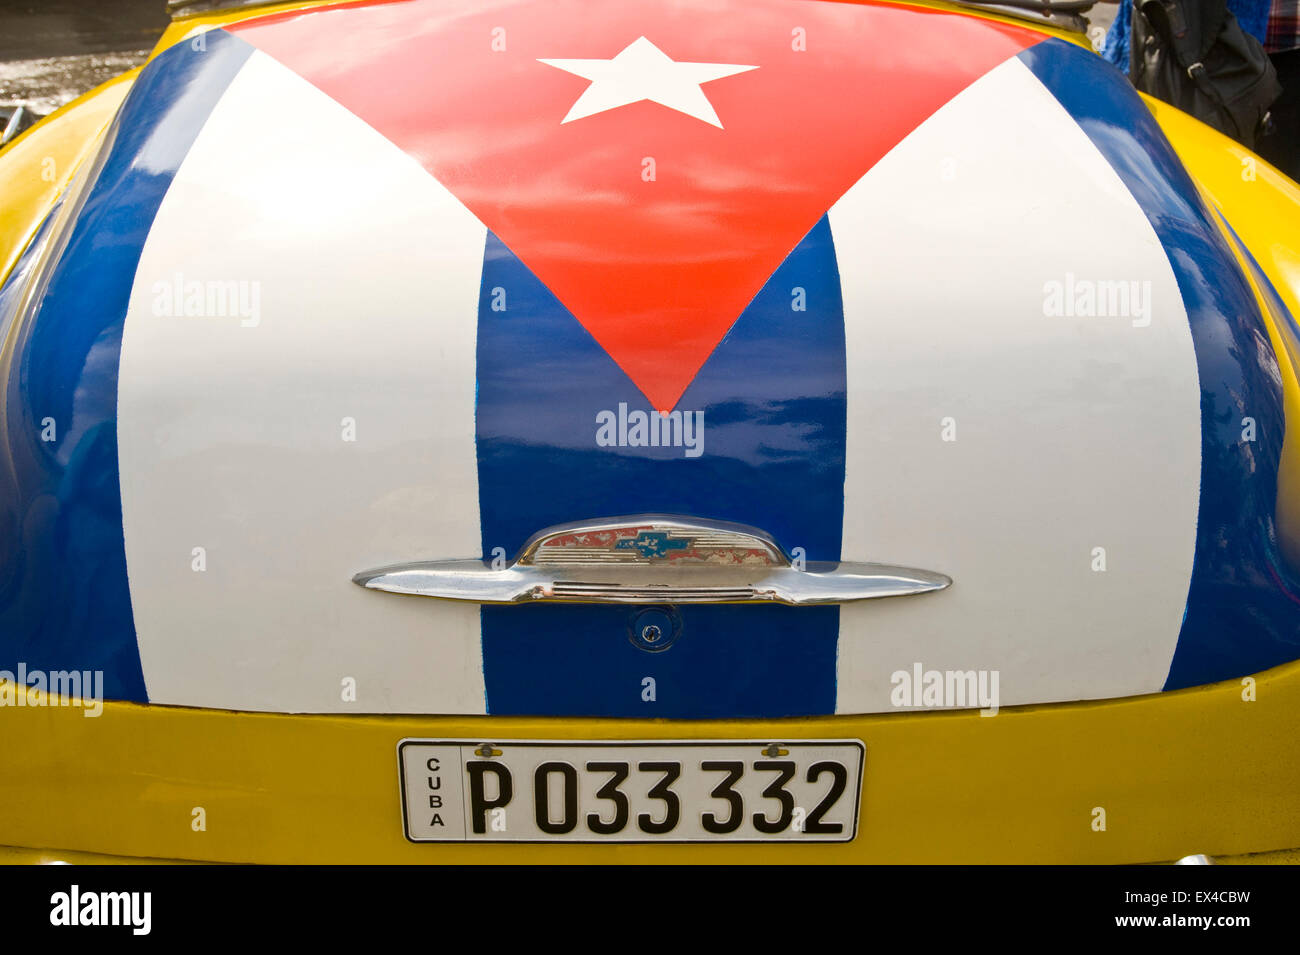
[(1209, 769)]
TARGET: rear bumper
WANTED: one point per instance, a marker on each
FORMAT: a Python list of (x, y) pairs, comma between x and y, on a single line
[(1199, 770)]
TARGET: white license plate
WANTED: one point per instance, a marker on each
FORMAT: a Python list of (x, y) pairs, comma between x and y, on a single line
[(630, 790)]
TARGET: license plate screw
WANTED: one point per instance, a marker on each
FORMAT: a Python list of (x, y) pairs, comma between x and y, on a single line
[(486, 751), (773, 751)]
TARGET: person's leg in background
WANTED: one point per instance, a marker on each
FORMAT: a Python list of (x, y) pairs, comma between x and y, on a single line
[(1282, 146)]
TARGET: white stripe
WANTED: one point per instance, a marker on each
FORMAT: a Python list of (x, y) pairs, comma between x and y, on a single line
[(231, 435), (1072, 432)]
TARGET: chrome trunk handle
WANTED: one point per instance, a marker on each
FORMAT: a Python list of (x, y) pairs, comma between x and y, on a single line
[(652, 558)]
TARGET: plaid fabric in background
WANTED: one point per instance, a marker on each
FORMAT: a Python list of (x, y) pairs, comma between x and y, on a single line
[(1283, 26)]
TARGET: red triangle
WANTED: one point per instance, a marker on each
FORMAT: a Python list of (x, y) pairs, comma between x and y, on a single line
[(657, 271)]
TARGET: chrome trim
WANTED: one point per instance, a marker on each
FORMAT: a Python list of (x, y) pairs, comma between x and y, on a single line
[(189, 8), (1065, 15), (652, 558), (19, 119)]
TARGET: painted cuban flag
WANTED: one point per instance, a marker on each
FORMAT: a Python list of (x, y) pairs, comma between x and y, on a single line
[(467, 231)]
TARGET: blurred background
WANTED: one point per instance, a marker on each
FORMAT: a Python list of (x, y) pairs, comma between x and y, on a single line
[(52, 51)]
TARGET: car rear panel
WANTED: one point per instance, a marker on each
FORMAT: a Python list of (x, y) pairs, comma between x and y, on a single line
[(409, 328)]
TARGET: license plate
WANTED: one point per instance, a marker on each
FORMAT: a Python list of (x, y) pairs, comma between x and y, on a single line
[(630, 790)]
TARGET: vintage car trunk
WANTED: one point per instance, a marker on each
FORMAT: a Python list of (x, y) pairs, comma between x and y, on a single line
[(336, 297)]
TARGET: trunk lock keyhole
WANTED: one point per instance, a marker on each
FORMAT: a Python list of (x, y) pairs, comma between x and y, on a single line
[(655, 628)]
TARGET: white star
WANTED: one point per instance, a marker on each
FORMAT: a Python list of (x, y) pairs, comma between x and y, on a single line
[(643, 71)]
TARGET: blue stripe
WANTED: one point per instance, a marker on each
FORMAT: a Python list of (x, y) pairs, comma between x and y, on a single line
[(1282, 316), (1238, 620), (773, 397), (64, 599), (1284, 320), (11, 292)]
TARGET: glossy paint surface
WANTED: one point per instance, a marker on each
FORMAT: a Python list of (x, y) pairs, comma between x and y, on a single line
[(1260, 206), (67, 605), (935, 790), (37, 166), (542, 383), (312, 436), (1064, 502), (1241, 615), (681, 254), (385, 237)]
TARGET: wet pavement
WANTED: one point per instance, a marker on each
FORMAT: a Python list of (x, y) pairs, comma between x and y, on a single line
[(52, 51), (46, 84)]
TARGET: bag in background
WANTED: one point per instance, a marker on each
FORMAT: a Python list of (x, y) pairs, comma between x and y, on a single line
[(1194, 55)]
